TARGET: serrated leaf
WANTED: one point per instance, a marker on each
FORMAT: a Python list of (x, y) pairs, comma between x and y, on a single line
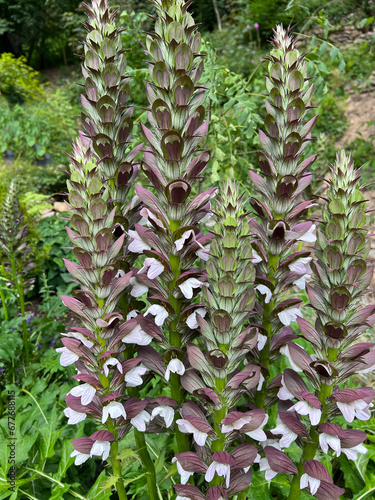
[(96, 492)]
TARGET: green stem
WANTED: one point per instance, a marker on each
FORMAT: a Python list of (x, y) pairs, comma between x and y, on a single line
[(273, 264), (218, 444), (116, 464), (144, 455), (2, 297), (21, 299), (177, 391)]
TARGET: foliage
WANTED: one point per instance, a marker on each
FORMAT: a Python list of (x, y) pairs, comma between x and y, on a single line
[(18, 82)]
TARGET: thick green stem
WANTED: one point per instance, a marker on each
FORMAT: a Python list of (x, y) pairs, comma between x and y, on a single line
[(116, 464), (144, 455), (177, 391), (273, 263), (311, 447), (219, 414)]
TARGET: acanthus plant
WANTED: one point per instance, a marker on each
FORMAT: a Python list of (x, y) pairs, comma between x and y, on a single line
[(15, 252), (169, 234), (280, 212), (341, 277), (101, 172), (219, 303)]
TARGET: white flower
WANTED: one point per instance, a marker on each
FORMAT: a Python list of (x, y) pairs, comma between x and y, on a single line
[(304, 408), (111, 362), (264, 290), (185, 475), (300, 265), (153, 267), (67, 357), (289, 315), (187, 428), (311, 482), (166, 412), (148, 216), (309, 236), (174, 366), (256, 258), (138, 288), (137, 336), (265, 466), (352, 453), (358, 408), (160, 313), (120, 273), (301, 282), (79, 336), (326, 440), (203, 252), (137, 245), (262, 339), (236, 425), (192, 321), (74, 416), (132, 314), (187, 287), (222, 470), (80, 457), (140, 421), (288, 436), (85, 391), (258, 434), (285, 350), (133, 376), (101, 449), (113, 410), (181, 241), (284, 394)]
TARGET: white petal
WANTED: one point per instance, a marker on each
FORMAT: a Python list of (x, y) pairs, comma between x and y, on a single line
[(138, 289), (270, 474), (164, 411), (80, 457), (181, 241), (309, 236), (133, 376), (74, 416), (304, 482), (137, 245), (140, 421), (200, 437), (187, 287), (264, 290), (174, 366), (256, 258), (347, 410), (67, 357), (257, 434), (262, 339), (192, 321), (315, 415), (210, 473)]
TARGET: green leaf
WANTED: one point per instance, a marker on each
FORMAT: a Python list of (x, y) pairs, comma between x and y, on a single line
[(323, 48), (96, 492), (65, 460), (333, 52)]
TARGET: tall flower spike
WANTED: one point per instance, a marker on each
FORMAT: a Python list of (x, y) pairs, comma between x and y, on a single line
[(173, 162), (106, 116), (220, 374), (14, 246), (100, 177), (280, 217), (341, 277)]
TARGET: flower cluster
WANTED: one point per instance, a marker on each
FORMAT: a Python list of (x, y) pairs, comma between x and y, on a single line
[(14, 243), (341, 276), (280, 213), (169, 232), (219, 373)]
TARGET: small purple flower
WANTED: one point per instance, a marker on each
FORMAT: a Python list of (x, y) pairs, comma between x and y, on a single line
[(2, 370), (19, 314), (248, 27), (53, 341), (40, 346), (256, 26)]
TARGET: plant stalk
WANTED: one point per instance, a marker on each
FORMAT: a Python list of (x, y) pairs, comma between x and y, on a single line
[(116, 464)]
